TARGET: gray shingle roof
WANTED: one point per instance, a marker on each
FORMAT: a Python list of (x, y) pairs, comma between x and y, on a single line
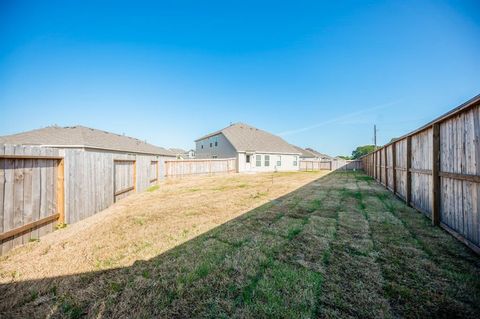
[(244, 137), (82, 136), (305, 153), (178, 151), (318, 154)]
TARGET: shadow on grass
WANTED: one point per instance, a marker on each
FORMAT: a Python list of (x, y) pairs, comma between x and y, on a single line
[(215, 274), (269, 262)]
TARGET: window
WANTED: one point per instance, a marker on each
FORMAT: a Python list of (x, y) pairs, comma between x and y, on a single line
[(279, 162), (259, 160), (214, 156), (216, 143), (211, 144), (247, 159), (202, 146), (267, 160), (295, 161)]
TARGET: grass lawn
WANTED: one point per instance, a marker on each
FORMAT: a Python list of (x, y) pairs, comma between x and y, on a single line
[(285, 245)]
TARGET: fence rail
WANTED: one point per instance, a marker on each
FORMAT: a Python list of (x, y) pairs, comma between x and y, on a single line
[(436, 169), (177, 168)]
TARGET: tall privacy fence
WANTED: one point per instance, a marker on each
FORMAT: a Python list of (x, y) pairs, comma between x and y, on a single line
[(41, 187), (332, 165), (436, 169), (177, 168), (31, 193)]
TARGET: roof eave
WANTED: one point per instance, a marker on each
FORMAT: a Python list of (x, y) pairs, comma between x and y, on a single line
[(102, 148)]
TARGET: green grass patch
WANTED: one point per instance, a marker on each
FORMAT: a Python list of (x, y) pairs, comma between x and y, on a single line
[(283, 291)]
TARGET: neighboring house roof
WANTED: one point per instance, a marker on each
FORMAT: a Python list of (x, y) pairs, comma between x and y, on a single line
[(318, 154), (304, 152), (178, 151), (244, 137), (81, 136)]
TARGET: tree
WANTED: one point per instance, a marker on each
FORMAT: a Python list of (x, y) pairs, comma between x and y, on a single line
[(345, 157), (362, 150)]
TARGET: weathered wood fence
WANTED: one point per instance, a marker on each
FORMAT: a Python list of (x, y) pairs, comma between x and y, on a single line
[(305, 165), (333, 165), (177, 168), (436, 169), (31, 194), (40, 186)]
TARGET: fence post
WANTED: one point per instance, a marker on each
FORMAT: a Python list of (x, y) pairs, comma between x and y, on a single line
[(379, 161), (394, 167), (385, 161), (61, 191), (435, 174), (408, 193), (379, 164), (135, 175)]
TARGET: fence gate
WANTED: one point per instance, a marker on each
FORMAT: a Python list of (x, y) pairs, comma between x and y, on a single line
[(31, 194), (124, 178)]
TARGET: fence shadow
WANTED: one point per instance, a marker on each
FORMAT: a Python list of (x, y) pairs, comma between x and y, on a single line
[(147, 288), (234, 269)]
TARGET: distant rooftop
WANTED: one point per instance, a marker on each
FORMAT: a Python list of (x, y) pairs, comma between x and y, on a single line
[(81, 136), (178, 151), (304, 152), (318, 154), (244, 137)]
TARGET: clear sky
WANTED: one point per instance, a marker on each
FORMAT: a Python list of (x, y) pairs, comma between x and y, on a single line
[(319, 73)]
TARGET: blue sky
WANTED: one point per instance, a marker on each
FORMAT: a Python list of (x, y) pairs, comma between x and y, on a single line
[(321, 74)]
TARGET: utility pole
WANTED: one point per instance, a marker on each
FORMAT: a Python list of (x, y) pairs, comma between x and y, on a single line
[(375, 135)]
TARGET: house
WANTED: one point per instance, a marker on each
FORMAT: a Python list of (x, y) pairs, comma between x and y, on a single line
[(255, 150), (179, 153), (99, 167), (183, 154)]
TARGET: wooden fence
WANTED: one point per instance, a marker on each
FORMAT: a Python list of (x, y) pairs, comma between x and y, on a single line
[(306, 165), (124, 175), (333, 165), (436, 169), (42, 186), (95, 179), (31, 194), (177, 168)]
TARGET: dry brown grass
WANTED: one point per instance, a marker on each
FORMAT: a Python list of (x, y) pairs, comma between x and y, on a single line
[(145, 225)]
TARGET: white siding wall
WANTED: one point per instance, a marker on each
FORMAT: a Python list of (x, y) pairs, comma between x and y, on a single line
[(287, 163), (224, 148)]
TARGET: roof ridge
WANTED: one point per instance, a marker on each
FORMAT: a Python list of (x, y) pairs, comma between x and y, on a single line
[(111, 133), (80, 135)]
